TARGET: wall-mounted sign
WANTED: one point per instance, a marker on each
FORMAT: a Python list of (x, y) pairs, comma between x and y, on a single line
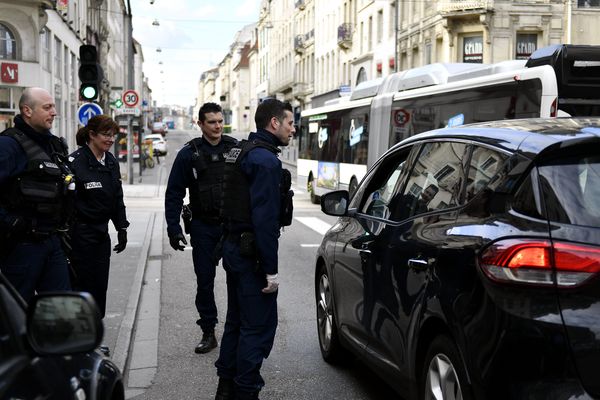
[(526, 44), (9, 72), (473, 49)]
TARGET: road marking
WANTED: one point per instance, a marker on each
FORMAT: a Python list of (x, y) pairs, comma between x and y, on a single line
[(315, 224), (310, 245)]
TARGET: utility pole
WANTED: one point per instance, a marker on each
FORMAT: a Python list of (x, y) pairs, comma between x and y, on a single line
[(396, 30), (130, 83)]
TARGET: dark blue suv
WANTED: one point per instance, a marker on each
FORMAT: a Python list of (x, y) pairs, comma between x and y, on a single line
[(47, 349), (467, 263)]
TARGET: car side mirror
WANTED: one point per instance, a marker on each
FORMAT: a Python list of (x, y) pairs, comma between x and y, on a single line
[(62, 323), (335, 203)]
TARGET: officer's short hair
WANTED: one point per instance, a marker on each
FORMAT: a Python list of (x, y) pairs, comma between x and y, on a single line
[(208, 108), (268, 109)]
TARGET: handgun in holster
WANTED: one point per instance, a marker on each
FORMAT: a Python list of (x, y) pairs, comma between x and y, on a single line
[(186, 215)]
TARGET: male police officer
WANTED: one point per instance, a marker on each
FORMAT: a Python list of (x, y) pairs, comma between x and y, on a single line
[(252, 208), (199, 168), (35, 184)]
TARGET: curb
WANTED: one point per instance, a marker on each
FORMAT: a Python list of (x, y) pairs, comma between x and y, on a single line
[(121, 351)]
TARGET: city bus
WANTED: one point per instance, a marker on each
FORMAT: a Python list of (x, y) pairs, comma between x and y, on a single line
[(337, 142)]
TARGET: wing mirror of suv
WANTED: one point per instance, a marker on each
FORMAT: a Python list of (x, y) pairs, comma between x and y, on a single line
[(62, 323), (335, 203)]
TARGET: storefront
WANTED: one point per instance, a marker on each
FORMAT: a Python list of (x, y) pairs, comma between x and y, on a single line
[(9, 105)]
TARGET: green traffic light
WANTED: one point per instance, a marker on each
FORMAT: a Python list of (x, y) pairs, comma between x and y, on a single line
[(89, 93)]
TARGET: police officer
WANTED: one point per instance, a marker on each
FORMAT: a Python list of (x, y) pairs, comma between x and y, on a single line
[(252, 208), (99, 200), (198, 168), (35, 184)]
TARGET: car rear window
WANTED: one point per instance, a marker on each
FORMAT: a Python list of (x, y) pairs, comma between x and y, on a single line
[(571, 189)]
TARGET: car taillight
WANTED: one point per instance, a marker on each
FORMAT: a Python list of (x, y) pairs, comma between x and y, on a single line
[(531, 262), (554, 107)]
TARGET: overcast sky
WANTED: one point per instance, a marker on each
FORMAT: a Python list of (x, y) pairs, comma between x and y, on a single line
[(193, 35)]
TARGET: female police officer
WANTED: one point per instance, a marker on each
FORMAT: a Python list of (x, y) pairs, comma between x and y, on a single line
[(99, 199)]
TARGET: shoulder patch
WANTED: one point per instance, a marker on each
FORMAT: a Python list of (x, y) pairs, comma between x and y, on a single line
[(233, 155)]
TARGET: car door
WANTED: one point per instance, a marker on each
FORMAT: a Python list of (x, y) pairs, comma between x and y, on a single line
[(408, 253), (355, 277), (20, 377)]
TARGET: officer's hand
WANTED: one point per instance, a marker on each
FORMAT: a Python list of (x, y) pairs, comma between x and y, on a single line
[(175, 239), (272, 284), (122, 238)]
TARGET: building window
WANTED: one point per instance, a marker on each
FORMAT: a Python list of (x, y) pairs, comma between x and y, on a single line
[(473, 49), (45, 41), (57, 58), (428, 53), (370, 38), (379, 26), (588, 3), (8, 44), (526, 44)]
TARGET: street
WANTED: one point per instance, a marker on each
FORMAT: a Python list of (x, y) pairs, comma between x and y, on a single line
[(294, 370)]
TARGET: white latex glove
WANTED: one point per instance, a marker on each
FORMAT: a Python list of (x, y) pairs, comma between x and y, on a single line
[(272, 284)]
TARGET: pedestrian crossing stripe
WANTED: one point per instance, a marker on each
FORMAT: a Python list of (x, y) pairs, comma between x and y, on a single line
[(314, 223)]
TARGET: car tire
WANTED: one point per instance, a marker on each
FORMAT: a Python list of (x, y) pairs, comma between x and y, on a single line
[(329, 341), (444, 376), (311, 191)]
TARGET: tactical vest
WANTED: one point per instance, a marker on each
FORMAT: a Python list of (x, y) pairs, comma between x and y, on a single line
[(38, 192), (205, 192), (236, 188)]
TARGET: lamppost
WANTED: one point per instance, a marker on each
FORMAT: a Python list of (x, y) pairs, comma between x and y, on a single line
[(130, 84)]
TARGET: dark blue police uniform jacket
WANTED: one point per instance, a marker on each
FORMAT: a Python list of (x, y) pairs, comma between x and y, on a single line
[(31, 265), (204, 236), (252, 315), (99, 199)]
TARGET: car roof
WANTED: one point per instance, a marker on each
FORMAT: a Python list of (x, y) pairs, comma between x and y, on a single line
[(532, 135)]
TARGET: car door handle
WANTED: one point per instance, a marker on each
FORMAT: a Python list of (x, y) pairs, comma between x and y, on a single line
[(418, 264)]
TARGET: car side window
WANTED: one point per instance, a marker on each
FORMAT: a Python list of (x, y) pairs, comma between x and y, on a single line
[(383, 184), (435, 180), (485, 163)]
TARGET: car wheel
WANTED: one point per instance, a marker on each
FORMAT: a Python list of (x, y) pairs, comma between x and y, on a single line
[(444, 377), (311, 191), (329, 342)]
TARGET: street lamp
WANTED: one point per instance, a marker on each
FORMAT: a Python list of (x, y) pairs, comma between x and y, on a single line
[(155, 22)]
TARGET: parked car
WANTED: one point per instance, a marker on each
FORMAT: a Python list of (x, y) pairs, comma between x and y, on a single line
[(47, 350), (467, 263), (159, 144), (159, 127)]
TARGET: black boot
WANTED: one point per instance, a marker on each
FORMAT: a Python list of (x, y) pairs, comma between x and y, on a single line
[(208, 342), (225, 390)]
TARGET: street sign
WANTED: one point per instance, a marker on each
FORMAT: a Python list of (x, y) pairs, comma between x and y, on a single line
[(128, 111), (131, 98), (87, 111)]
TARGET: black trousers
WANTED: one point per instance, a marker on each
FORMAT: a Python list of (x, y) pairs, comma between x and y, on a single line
[(90, 259)]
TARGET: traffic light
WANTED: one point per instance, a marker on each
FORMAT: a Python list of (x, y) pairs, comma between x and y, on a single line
[(90, 72)]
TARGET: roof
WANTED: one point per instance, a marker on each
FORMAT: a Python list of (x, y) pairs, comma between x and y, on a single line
[(531, 135)]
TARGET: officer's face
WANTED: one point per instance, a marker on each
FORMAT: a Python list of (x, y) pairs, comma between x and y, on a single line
[(101, 142), (41, 112), (212, 127), (285, 129)]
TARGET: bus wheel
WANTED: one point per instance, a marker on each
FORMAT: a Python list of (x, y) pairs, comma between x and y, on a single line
[(311, 191), (353, 186)]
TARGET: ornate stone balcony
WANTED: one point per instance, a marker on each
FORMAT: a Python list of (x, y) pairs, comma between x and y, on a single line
[(464, 6), (345, 35)]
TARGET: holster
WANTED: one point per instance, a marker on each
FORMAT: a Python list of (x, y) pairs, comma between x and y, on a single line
[(186, 215)]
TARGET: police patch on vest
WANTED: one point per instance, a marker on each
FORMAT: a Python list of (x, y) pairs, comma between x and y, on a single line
[(233, 155), (93, 185), (49, 164)]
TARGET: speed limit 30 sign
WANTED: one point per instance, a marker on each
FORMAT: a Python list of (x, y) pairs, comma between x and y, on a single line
[(131, 98)]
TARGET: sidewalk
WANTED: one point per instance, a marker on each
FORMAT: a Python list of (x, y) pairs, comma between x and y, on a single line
[(133, 301)]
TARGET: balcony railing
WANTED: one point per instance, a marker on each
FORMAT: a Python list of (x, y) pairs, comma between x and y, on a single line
[(299, 44), (464, 5), (345, 35)]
